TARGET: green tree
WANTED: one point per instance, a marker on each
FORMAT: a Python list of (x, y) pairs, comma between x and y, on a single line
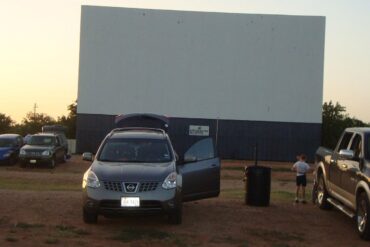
[(33, 123), (70, 120), (6, 123), (334, 121)]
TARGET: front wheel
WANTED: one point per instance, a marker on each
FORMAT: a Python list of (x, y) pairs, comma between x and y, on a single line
[(90, 217), (175, 217), (52, 163), (363, 216), (322, 193), (64, 158)]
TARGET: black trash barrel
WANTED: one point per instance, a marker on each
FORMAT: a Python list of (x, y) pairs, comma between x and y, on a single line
[(258, 185)]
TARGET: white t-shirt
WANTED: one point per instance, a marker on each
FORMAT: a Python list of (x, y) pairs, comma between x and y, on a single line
[(301, 168)]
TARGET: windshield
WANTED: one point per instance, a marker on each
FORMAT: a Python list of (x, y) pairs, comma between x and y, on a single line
[(6, 143), (136, 150), (42, 140)]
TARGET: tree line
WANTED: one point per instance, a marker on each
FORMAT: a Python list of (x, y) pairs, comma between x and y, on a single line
[(33, 122), (334, 121)]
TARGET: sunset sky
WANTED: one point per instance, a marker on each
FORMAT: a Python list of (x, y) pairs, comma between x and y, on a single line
[(39, 48)]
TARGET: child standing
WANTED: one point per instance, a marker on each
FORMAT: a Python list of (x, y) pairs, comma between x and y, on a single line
[(301, 167)]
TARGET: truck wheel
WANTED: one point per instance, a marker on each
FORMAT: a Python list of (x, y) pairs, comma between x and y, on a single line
[(175, 217), (363, 216), (89, 217), (12, 160), (64, 159), (23, 164), (52, 163), (322, 193)]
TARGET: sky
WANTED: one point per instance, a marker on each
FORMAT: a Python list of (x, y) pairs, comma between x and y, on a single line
[(39, 48)]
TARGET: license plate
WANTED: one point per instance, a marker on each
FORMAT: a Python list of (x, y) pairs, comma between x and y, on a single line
[(130, 202), (33, 161)]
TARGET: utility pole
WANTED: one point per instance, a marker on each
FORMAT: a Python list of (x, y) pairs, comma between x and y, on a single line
[(34, 111)]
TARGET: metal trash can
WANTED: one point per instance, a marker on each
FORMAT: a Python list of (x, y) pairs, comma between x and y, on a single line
[(258, 185)]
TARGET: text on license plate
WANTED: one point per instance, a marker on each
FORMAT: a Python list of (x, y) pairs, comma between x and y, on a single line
[(130, 202)]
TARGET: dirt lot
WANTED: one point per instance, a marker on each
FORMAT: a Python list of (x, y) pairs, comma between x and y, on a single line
[(42, 207)]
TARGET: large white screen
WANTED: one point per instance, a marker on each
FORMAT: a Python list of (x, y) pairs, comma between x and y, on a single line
[(201, 65)]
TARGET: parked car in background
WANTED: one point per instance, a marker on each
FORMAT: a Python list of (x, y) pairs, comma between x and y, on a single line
[(44, 148), (26, 138), (136, 170), (10, 145), (343, 177)]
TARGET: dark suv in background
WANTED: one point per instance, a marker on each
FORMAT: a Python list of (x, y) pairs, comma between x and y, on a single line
[(136, 170), (44, 148)]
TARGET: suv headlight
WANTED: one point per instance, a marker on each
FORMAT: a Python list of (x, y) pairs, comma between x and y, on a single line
[(170, 181), (90, 180), (46, 153), (22, 152)]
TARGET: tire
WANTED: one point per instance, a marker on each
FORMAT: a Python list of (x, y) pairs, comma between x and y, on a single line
[(322, 193), (363, 216), (23, 164), (90, 217), (64, 159), (12, 161), (175, 217), (52, 163)]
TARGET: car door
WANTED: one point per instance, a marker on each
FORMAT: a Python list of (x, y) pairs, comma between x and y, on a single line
[(58, 148), (200, 171), (337, 163), (351, 167)]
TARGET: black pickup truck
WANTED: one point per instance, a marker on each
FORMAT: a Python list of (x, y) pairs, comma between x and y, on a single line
[(343, 177)]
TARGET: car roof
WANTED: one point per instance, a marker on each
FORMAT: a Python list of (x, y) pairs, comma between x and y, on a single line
[(45, 134), (359, 129), (9, 136), (138, 133)]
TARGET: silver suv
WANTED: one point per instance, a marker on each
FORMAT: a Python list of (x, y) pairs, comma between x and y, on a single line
[(136, 170)]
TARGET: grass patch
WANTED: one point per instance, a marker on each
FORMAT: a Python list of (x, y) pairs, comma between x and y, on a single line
[(70, 231), (273, 235), (24, 225), (233, 168), (150, 236), (230, 240), (132, 234), (11, 239), (281, 169), (37, 185), (51, 241), (282, 195), (233, 193)]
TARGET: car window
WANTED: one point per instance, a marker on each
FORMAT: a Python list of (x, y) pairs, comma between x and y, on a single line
[(42, 140), (201, 150), (136, 150), (5, 143), (345, 141), (356, 146)]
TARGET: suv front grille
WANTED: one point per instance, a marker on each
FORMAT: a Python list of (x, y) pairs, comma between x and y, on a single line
[(118, 186), (148, 186), (33, 153), (113, 186)]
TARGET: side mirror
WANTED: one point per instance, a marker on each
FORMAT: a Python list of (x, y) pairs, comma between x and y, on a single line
[(87, 156), (189, 158), (346, 154)]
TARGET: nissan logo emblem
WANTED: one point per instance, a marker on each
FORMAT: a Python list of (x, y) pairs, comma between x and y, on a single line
[(131, 187)]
